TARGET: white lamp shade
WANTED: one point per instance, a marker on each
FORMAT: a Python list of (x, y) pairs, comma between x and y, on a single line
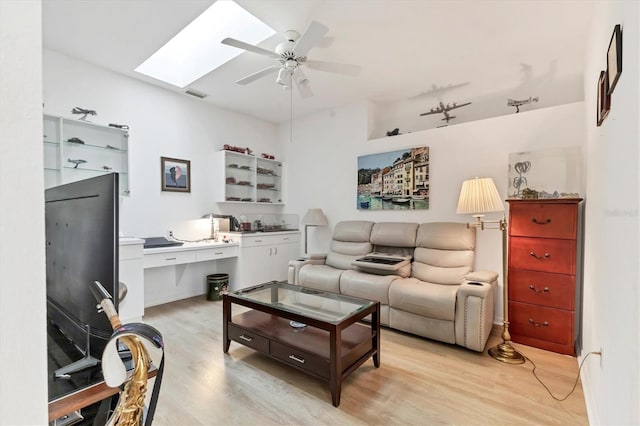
[(478, 196), (315, 217)]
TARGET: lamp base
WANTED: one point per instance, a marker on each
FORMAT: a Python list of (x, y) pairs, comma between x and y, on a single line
[(504, 352)]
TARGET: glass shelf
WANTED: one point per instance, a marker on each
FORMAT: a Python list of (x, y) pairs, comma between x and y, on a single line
[(103, 149)]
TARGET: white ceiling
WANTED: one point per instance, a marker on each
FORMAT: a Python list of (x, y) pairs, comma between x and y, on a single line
[(495, 48)]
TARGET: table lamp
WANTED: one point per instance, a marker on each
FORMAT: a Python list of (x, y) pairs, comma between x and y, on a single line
[(215, 225), (479, 196), (313, 217)]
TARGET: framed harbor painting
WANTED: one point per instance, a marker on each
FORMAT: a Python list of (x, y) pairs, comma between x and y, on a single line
[(176, 174), (394, 180)]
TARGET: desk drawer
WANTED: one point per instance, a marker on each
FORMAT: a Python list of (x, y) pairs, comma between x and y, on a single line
[(303, 360), (156, 260), (248, 338), (539, 219), (542, 323), (130, 251), (543, 254), (216, 253), (268, 239), (542, 288)]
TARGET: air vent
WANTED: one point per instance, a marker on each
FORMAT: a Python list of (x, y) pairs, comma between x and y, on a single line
[(196, 93)]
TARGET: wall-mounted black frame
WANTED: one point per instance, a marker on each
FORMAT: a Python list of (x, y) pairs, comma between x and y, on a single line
[(614, 58)]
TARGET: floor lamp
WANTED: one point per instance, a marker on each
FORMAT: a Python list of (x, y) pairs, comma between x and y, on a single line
[(479, 196), (314, 217)]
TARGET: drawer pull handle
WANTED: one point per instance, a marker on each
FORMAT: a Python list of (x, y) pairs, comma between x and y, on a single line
[(218, 252), (537, 324), (246, 338), (544, 290), (534, 220), (170, 258), (295, 358), (545, 256)]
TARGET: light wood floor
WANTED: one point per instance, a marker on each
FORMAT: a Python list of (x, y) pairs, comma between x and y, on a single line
[(419, 382)]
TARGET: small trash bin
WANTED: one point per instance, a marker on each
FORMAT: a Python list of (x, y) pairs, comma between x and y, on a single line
[(218, 284)]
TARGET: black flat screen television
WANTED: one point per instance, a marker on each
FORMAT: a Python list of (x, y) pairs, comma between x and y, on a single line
[(81, 223)]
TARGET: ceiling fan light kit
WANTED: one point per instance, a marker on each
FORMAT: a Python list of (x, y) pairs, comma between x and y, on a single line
[(291, 55)]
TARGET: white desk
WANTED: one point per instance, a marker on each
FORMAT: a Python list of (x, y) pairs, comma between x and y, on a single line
[(188, 253), (161, 275), (179, 272)]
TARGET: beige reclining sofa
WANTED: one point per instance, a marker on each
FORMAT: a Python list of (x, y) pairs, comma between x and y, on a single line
[(436, 295)]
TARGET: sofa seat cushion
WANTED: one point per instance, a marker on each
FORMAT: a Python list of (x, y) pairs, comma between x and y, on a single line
[(366, 286), (423, 298), (321, 277)]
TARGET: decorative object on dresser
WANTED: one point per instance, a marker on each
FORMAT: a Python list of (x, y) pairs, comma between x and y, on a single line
[(479, 196), (176, 174), (544, 272), (313, 217), (552, 172)]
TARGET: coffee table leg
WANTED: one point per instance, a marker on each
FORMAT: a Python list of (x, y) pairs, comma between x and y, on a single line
[(226, 317), (375, 325), (335, 382)]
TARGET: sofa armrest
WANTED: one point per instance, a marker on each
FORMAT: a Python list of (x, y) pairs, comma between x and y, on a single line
[(293, 272), (489, 277), (474, 314)]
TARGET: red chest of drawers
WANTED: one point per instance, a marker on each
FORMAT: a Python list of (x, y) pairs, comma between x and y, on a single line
[(544, 265)]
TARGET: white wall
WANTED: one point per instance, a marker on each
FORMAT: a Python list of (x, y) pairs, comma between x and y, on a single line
[(322, 163), (163, 123), (612, 239), (23, 362)]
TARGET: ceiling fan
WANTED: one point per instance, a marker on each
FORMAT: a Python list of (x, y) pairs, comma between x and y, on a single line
[(290, 56)]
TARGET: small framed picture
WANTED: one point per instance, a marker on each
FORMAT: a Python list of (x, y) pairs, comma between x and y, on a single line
[(614, 58), (175, 174), (604, 100)]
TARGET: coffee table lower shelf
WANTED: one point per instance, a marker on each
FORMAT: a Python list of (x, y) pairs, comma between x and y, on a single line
[(328, 355)]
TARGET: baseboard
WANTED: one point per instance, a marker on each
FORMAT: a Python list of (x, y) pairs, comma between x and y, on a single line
[(592, 407), (496, 330)]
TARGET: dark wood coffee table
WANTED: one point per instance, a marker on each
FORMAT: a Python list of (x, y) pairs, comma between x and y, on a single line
[(331, 344)]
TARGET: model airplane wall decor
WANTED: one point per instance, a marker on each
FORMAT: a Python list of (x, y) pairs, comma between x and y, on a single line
[(76, 162), (84, 111), (519, 102), (444, 109)]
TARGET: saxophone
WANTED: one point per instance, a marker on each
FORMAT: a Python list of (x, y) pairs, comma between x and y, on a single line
[(128, 411)]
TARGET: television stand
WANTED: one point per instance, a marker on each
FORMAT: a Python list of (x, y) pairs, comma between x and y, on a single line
[(81, 364)]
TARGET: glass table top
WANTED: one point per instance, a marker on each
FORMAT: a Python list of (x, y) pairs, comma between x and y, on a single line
[(317, 304)]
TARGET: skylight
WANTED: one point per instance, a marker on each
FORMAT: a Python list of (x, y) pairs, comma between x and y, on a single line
[(196, 50)]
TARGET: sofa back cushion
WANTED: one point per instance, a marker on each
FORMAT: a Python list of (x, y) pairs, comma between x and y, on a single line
[(444, 252), (394, 234), (350, 241)]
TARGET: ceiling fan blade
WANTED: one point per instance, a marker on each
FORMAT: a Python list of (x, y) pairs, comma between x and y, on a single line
[(258, 74), (248, 47), (305, 89), (311, 37), (345, 69)]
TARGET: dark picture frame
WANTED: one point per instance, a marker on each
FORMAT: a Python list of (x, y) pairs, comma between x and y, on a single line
[(604, 100), (175, 174), (614, 58)]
